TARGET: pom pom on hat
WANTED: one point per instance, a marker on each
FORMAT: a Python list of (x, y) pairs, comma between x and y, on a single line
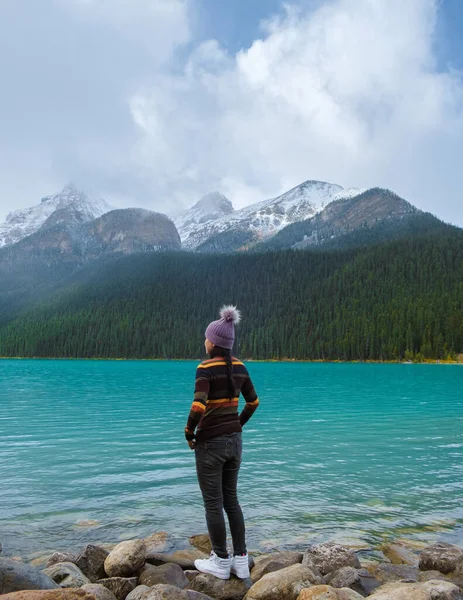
[(222, 332), (230, 314)]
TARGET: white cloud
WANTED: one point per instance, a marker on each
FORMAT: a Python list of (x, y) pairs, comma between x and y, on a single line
[(118, 96), (348, 93)]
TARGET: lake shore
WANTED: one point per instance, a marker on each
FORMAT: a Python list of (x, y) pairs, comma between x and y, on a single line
[(427, 361), (151, 569)]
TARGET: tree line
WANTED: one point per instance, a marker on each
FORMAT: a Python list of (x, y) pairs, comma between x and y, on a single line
[(394, 301)]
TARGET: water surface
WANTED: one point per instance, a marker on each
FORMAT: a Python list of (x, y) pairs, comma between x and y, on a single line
[(352, 452)]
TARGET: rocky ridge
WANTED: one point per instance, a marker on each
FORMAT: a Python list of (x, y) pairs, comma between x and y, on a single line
[(70, 202), (264, 218), (141, 569)]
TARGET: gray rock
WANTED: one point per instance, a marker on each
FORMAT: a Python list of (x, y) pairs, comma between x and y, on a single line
[(119, 586), (60, 557), (348, 594), (442, 590), (66, 575), (441, 557), (190, 575), (16, 576), (430, 575), (126, 559), (221, 589), (431, 590), (401, 591), (284, 584), (183, 558), (99, 591), (91, 562), (359, 580), (386, 572), (274, 562), (169, 573), (57, 594), (328, 557), (138, 592), (170, 592)]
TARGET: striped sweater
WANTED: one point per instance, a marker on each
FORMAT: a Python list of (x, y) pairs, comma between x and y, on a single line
[(213, 412)]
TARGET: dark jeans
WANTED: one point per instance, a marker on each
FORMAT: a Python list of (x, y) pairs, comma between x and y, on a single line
[(217, 464)]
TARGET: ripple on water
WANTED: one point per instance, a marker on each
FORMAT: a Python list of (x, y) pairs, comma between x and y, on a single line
[(348, 452)]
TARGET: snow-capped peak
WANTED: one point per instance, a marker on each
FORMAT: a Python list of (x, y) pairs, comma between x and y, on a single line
[(210, 207), (23, 222), (268, 216)]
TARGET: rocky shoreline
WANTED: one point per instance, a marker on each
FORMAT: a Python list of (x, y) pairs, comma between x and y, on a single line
[(142, 569)]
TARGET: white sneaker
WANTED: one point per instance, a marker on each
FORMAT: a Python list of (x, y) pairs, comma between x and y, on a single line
[(240, 566), (219, 567)]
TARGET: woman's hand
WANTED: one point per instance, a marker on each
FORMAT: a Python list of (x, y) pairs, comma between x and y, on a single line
[(192, 444)]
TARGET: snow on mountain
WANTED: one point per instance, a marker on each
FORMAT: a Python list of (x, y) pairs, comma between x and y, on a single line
[(210, 208), (267, 217), (21, 223)]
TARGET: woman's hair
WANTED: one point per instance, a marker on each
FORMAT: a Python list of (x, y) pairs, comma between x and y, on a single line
[(231, 383)]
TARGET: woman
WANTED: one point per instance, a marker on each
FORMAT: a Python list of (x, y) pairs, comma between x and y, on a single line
[(214, 431)]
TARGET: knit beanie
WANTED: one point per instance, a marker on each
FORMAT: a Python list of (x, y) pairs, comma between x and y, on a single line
[(222, 332)]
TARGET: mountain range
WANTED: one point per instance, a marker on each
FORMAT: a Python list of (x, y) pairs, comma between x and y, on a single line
[(76, 228), (373, 277)]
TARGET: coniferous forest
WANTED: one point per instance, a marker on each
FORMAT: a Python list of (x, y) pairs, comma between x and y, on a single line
[(393, 301)]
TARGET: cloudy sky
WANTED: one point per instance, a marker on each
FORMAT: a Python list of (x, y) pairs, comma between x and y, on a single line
[(154, 103)]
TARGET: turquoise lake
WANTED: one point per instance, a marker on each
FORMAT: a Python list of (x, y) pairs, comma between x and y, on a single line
[(353, 452)]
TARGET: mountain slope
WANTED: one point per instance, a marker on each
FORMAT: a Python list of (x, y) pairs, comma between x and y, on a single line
[(396, 300), (21, 223), (379, 212), (65, 244), (266, 218)]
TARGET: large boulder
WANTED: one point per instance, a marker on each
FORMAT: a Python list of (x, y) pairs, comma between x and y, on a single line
[(429, 575), (359, 580), (318, 592), (164, 591), (59, 557), (387, 572), (99, 591), (91, 562), (443, 590), (431, 590), (401, 591), (169, 573), (66, 575), (202, 542), (221, 589), (326, 592), (274, 562), (58, 594), (348, 594), (328, 557), (126, 559), (441, 557), (16, 576), (119, 586), (138, 592), (284, 584)]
